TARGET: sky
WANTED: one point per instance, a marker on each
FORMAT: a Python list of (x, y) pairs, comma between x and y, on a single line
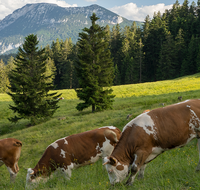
[(135, 10)]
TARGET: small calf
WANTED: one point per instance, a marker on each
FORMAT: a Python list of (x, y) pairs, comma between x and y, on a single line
[(10, 150), (74, 151)]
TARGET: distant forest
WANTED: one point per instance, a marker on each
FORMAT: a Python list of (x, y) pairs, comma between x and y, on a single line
[(166, 47)]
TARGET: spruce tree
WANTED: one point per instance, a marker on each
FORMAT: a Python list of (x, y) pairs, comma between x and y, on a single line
[(4, 82), (180, 48), (198, 60), (152, 46), (58, 61), (116, 53), (68, 67), (29, 84), (167, 64), (189, 65), (95, 68)]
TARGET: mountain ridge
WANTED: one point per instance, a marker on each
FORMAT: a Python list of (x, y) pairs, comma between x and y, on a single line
[(50, 21)]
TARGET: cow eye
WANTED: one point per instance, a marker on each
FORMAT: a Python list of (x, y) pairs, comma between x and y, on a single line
[(32, 177)]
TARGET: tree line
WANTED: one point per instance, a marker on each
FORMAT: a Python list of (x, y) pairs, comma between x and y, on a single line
[(166, 47)]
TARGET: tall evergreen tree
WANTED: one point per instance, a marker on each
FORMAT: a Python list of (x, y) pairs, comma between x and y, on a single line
[(4, 82), (167, 64), (131, 61), (50, 70), (180, 49), (132, 71), (172, 17), (29, 86), (189, 66), (10, 66), (116, 53), (145, 31), (95, 68), (197, 21), (68, 66), (198, 60), (117, 79), (152, 46), (58, 61)]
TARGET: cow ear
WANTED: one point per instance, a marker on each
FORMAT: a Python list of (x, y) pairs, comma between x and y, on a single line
[(113, 161)]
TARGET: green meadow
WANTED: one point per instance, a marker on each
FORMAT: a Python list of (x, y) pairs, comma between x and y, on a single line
[(173, 169)]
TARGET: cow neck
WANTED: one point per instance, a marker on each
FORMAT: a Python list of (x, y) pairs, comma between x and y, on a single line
[(43, 165), (122, 150)]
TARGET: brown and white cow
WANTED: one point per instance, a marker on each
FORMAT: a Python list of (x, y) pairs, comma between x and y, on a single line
[(74, 151), (149, 135), (10, 150)]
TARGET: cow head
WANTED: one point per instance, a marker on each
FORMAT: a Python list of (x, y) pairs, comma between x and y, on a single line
[(117, 171), (30, 176)]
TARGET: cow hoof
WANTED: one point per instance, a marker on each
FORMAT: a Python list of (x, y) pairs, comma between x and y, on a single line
[(140, 177), (128, 183), (197, 169)]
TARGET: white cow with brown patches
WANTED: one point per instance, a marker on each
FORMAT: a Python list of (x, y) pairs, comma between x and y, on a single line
[(75, 151), (149, 135), (10, 150)]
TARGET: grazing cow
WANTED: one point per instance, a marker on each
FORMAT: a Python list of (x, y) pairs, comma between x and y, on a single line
[(10, 150), (149, 135), (74, 151)]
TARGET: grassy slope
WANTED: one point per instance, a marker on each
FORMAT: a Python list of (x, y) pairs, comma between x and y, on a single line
[(174, 169)]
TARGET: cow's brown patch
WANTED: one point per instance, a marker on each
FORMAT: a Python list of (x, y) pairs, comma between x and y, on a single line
[(149, 128), (120, 167)]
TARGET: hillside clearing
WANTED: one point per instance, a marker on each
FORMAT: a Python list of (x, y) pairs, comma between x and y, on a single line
[(174, 169)]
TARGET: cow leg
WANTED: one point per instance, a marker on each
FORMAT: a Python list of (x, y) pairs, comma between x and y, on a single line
[(141, 172), (198, 144), (138, 164), (131, 179), (12, 174)]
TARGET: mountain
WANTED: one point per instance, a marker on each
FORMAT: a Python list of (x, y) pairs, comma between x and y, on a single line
[(49, 22)]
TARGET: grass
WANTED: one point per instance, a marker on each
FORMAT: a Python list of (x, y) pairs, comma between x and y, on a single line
[(174, 169)]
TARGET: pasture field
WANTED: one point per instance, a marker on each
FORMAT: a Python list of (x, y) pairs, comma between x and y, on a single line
[(173, 169)]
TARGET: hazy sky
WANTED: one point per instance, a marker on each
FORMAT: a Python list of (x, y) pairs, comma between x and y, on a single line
[(135, 10)]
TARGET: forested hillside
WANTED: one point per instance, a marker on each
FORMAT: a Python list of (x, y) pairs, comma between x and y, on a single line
[(167, 47)]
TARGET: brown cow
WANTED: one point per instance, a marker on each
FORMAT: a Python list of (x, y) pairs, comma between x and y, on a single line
[(74, 151), (149, 135), (10, 150)]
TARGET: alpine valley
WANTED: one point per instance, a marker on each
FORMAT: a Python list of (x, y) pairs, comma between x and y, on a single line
[(50, 21)]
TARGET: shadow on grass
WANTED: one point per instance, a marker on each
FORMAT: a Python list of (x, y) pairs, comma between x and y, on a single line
[(11, 127)]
